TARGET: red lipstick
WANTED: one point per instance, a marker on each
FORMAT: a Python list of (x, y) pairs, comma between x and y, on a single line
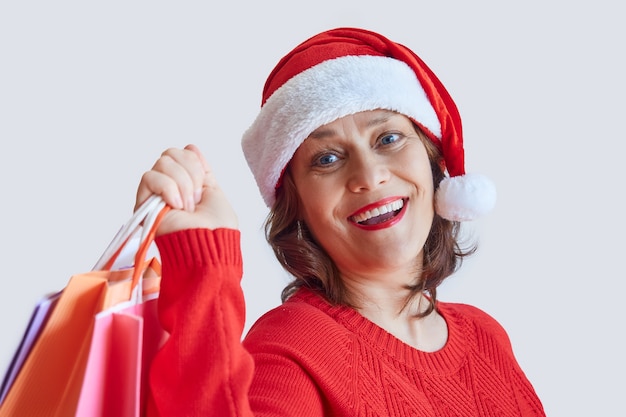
[(381, 214)]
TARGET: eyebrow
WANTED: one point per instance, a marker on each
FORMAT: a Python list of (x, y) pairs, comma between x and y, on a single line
[(323, 132)]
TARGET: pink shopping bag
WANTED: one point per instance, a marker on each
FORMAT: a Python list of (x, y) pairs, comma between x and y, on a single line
[(124, 342)]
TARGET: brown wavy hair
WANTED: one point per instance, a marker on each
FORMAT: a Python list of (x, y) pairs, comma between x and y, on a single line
[(311, 267)]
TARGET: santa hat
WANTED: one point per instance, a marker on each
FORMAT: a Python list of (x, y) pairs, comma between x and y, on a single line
[(344, 71)]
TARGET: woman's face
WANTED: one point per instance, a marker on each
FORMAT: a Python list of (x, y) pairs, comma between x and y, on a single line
[(366, 188)]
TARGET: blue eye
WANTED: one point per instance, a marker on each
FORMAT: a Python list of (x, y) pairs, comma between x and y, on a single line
[(327, 159), (390, 138)]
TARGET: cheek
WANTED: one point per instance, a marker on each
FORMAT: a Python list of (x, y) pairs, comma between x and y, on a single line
[(312, 216), (319, 195), (423, 170), (317, 206), (309, 208), (312, 203), (429, 187), (320, 212), (416, 169)]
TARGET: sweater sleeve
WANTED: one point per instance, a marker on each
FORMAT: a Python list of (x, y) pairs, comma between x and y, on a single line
[(287, 363), (202, 369)]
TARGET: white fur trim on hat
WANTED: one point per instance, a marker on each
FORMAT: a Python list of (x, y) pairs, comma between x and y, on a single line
[(465, 197), (322, 94)]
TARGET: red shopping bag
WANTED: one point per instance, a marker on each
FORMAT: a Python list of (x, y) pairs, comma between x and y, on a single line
[(49, 381)]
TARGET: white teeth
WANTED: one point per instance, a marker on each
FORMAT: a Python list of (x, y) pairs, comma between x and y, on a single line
[(393, 206)]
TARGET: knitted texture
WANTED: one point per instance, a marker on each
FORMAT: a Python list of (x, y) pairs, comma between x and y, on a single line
[(362, 370), (308, 358)]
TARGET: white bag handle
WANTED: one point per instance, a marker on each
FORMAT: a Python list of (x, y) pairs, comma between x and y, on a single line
[(147, 214)]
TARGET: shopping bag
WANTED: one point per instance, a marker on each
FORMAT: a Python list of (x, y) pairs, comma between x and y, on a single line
[(38, 318), (124, 342), (49, 381), (125, 339)]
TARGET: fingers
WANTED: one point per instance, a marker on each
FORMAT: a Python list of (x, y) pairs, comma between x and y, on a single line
[(193, 148), (209, 179), (178, 176)]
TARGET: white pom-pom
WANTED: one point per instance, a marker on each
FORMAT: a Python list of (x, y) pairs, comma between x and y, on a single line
[(465, 197)]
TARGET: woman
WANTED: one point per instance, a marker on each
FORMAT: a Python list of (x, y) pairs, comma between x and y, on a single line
[(358, 152)]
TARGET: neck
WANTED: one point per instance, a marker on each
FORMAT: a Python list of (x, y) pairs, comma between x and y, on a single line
[(384, 303), (389, 302), (385, 291)]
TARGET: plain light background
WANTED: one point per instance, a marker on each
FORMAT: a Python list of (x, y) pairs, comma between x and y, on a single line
[(92, 92)]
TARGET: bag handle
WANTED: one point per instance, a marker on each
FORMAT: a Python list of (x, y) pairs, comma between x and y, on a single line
[(145, 219), (128, 230), (151, 225)]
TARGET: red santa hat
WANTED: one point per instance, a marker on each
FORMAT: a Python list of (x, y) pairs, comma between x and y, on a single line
[(344, 71)]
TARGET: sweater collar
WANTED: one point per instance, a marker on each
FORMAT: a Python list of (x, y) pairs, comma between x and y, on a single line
[(446, 360)]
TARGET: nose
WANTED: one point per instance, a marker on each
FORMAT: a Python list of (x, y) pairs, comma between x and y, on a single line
[(367, 171)]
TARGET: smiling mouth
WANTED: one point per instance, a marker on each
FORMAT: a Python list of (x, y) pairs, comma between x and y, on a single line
[(379, 214)]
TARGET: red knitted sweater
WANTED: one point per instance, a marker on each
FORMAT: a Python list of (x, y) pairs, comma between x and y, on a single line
[(308, 358)]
